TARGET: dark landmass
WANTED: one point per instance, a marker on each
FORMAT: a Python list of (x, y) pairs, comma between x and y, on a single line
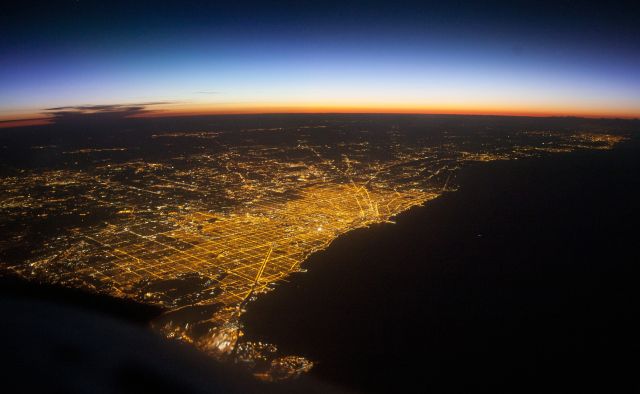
[(58, 340), (524, 280), (136, 313)]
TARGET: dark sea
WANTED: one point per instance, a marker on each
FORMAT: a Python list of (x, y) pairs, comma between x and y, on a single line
[(523, 280)]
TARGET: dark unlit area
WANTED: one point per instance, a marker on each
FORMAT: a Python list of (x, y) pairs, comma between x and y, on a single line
[(523, 280), (59, 340)]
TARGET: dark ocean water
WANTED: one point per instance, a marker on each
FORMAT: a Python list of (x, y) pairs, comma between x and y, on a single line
[(523, 280)]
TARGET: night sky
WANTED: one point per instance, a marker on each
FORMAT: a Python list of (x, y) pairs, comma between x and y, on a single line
[(527, 58)]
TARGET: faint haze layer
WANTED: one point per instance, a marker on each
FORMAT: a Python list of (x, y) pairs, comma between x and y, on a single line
[(534, 58)]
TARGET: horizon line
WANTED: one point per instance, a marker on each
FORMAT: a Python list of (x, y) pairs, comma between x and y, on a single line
[(49, 120)]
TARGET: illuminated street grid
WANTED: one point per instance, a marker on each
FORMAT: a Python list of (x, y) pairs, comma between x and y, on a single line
[(205, 230)]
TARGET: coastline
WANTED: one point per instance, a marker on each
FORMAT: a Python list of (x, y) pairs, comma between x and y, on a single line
[(314, 314)]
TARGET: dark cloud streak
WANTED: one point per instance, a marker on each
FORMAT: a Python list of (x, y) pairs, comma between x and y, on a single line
[(104, 112), (106, 107)]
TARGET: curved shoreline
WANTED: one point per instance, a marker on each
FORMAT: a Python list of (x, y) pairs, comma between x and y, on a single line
[(312, 311)]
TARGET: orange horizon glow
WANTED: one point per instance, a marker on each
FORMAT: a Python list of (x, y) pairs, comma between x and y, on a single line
[(200, 109), (277, 109)]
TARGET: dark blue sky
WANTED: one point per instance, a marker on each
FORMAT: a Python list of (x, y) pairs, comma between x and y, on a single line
[(541, 57)]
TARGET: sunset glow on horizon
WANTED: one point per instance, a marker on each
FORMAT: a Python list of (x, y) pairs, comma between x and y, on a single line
[(434, 60), (205, 109)]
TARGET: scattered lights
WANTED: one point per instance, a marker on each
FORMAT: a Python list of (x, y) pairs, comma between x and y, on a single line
[(206, 229)]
